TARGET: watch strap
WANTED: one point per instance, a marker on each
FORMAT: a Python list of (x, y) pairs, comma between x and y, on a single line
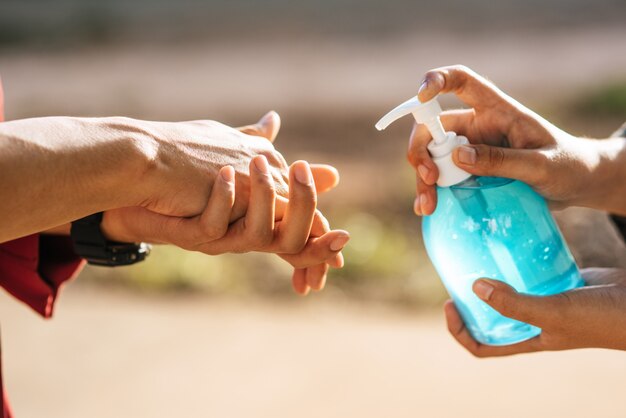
[(91, 244)]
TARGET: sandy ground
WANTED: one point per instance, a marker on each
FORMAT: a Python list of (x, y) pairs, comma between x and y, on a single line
[(114, 354)]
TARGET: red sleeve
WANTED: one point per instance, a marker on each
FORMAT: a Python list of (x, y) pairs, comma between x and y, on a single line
[(33, 268)]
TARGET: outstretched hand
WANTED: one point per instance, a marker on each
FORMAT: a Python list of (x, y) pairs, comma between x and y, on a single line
[(591, 316), (292, 228)]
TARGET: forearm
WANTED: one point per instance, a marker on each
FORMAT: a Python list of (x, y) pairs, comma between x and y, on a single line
[(54, 170)]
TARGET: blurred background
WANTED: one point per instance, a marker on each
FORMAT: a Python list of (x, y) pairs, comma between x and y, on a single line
[(185, 334)]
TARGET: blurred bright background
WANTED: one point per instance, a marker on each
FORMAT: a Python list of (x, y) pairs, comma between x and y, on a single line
[(185, 334)]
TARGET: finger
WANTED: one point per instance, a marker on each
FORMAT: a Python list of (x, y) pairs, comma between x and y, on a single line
[(460, 121), (325, 249), (427, 172), (320, 250), (320, 223), (473, 89), (267, 127), (189, 233), (337, 261), (419, 157), (541, 311), (326, 177), (426, 200), (457, 328), (294, 229), (526, 165), (259, 220), (298, 281), (213, 222), (316, 276), (461, 334)]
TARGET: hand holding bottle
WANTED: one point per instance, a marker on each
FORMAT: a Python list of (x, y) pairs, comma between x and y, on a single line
[(509, 140), (591, 316)]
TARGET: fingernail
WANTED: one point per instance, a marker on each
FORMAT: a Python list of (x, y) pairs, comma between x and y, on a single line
[(339, 242), (423, 201), (467, 155), (483, 289), (260, 163), (422, 87), (423, 170), (416, 207), (228, 174), (266, 117), (302, 173)]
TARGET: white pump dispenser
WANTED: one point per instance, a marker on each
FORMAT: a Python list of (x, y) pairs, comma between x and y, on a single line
[(443, 142)]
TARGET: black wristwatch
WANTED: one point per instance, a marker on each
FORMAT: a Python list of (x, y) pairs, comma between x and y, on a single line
[(91, 244)]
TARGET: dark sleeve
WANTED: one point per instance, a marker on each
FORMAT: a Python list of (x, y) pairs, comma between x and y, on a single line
[(620, 221), (34, 268)]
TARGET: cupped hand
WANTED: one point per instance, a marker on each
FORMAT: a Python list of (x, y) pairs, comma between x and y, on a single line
[(587, 317), (506, 140), (292, 228)]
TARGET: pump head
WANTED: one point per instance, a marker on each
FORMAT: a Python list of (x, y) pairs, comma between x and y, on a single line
[(443, 142)]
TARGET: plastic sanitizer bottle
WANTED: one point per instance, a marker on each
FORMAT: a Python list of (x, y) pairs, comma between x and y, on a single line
[(488, 227)]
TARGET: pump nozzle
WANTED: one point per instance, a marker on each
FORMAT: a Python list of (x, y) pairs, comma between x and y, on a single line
[(426, 113), (443, 142)]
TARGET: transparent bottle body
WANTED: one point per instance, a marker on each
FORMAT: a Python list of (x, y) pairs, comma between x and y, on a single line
[(500, 229)]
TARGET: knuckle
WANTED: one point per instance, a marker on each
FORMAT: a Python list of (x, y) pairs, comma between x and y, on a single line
[(504, 304), (264, 184), (496, 157), (417, 152), (213, 232), (261, 238), (541, 162), (463, 69), (412, 156), (307, 200), (293, 246)]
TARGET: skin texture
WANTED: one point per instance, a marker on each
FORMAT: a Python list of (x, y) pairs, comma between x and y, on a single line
[(179, 193), (509, 140)]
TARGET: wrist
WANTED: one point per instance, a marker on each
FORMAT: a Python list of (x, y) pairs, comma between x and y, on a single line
[(137, 150), (113, 228), (608, 174)]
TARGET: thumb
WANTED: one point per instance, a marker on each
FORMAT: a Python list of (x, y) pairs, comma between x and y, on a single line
[(267, 127), (486, 160), (535, 310)]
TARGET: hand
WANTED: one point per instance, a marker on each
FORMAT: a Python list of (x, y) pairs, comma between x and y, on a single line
[(188, 155), (591, 316), (509, 140), (300, 234)]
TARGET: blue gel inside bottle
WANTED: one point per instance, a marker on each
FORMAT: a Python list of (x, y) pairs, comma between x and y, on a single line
[(500, 229)]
